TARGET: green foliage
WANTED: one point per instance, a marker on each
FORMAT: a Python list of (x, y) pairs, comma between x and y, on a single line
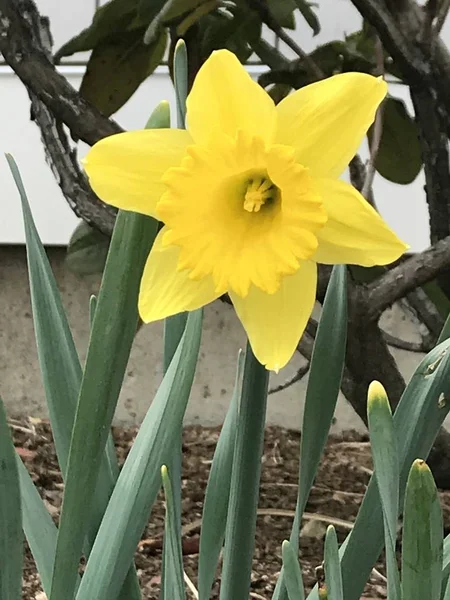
[(398, 158), (385, 460), (333, 575), (105, 511), (215, 505), (11, 537), (422, 536), (118, 66), (307, 12), (87, 250), (108, 541)]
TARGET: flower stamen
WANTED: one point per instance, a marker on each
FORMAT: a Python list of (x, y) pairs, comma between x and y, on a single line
[(260, 191)]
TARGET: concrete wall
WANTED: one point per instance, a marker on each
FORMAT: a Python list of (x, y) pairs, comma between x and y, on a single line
[(20, 382)]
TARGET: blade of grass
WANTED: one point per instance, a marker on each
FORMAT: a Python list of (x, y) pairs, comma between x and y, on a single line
[(174, 554), (321, 396), (11, 536), (332, 566), (215, 505), (244, 492), (422, 536), (385, 459), (139, 480), (292, 572)]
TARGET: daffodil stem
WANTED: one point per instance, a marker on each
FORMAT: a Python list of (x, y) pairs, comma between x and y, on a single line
[(241, 519)]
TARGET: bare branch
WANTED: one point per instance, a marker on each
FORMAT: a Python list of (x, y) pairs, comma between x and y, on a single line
[(400, 26), (441, 17), (22, 49), (301, 372), (407, 276), (260, 6), (400, 344), (357, 171)]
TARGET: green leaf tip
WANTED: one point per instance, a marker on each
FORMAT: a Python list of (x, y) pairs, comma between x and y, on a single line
[(377, 394), (420, 467), (180, 45), (160, 117)]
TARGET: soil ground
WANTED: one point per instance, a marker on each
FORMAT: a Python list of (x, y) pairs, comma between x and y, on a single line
[(338, 490)]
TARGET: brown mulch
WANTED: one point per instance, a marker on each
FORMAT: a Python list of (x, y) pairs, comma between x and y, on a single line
[(344, 473)]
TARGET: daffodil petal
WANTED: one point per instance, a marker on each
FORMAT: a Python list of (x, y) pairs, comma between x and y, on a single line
[(225, 98), (326, 121), (354, 233), (275, 322), (165, 291), (125, 170)]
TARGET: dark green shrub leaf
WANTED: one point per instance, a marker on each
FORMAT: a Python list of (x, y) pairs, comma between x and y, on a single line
[(398, 159), (87, 250), (308, 14), (118, 66), (109, 19), (235, 30), (283, 12)]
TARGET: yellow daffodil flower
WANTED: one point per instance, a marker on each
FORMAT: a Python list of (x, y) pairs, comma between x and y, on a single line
[(250, 198)]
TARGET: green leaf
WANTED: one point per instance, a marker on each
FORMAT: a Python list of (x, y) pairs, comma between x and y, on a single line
[(269, 55), (139, 480), (109, 19), (332, 566), (244, 491), (173, 331), (215, 505), (283, 12), (438, 297), (118, 66), (11, 537), (61, 373), (422, 536), (309, 15), (181, 9), (180, 69), (321, 395), (417, 420), (385, 459), (446, 569), (172, 541), (149, 9), (38, 526), (236, 30), (445, 333), (292, 572), (92, 307), (398, 158), (160, 117), (111, 339), (204, 8), (87, 250)]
